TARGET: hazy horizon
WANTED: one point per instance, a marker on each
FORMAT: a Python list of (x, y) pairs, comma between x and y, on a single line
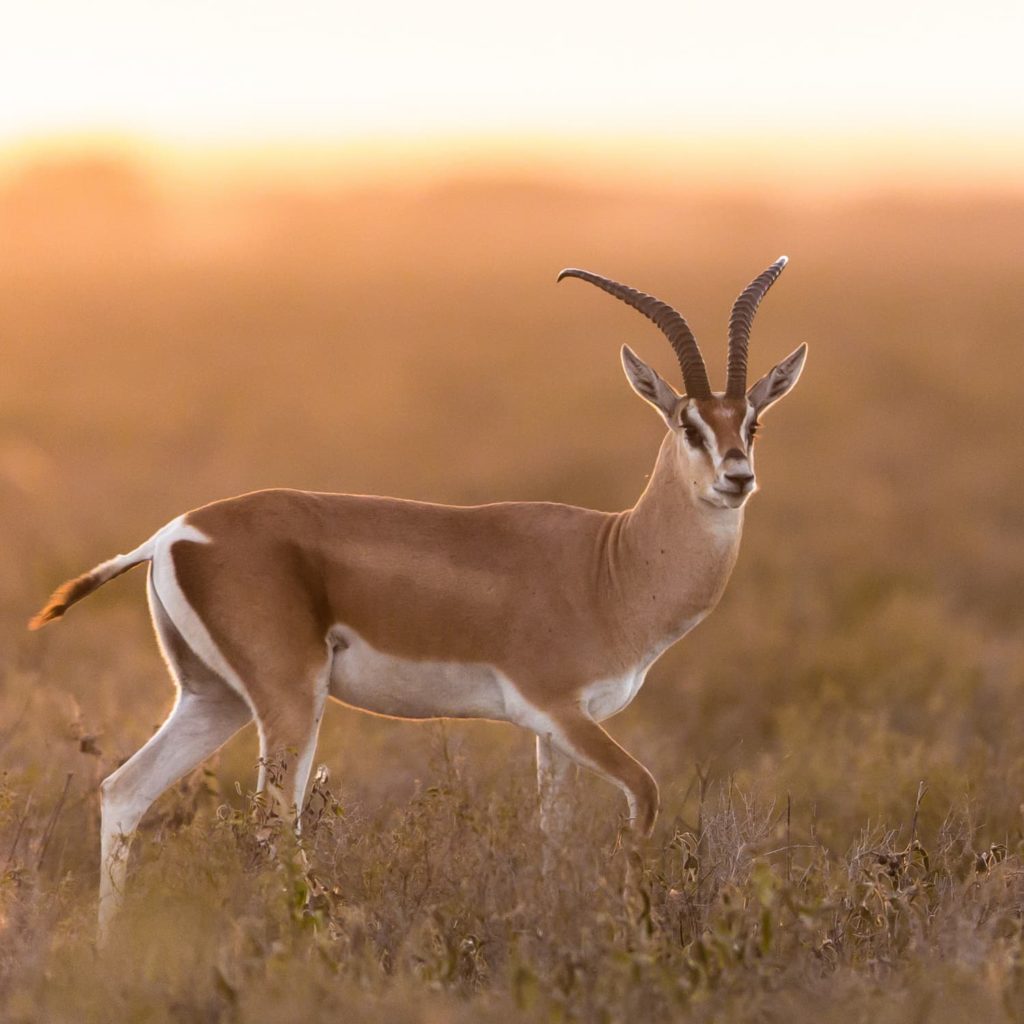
[(799, 166)]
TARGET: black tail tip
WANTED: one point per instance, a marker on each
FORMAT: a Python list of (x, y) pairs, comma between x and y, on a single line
[(48, 614)]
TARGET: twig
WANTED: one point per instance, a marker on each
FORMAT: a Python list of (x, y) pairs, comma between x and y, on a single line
[(703, 776), (17, 834), (922, 788), (785, 849), (789, 845), (52, 823)]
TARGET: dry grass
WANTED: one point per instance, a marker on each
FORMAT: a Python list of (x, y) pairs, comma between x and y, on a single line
[(162, 350)]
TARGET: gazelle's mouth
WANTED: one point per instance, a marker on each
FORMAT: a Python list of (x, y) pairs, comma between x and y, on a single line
[(731, 498)]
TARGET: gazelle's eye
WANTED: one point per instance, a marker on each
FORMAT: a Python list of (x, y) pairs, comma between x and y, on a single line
[(752, 432), (693, 435)]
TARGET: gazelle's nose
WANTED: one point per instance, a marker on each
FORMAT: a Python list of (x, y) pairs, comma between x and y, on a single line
[(741, 481)]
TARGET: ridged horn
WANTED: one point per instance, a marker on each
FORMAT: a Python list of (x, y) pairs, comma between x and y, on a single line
[(740, 322), (672, 325)]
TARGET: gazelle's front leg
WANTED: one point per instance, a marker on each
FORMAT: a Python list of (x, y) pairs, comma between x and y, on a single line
[(554, 772), (288, 734), (582, 740)]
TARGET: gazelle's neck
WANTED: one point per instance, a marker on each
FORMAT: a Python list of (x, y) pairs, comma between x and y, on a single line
[(678, 551)]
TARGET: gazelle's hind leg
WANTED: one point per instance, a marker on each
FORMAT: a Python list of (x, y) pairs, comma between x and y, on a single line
[(208, 713)]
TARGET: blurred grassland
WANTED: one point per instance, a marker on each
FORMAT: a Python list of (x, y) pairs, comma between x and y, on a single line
[(164, 347)]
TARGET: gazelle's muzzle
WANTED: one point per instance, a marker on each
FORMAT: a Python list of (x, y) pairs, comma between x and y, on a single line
[(735, 480), (742, 483)]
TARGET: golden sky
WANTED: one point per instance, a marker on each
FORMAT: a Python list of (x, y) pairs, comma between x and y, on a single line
[(227, 73)]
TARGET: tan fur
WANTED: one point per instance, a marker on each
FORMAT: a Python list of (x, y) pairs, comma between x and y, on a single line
[(555, 600), (552, 596)]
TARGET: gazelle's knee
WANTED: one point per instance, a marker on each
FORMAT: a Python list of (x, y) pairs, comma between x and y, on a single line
[(120, 808), (110, 794), (109, 799)]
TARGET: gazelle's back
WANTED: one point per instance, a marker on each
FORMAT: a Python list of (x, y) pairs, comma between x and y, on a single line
[(483, 584)]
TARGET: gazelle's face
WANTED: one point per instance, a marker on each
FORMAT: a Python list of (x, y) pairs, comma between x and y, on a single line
[(715, 436), (715, 439)]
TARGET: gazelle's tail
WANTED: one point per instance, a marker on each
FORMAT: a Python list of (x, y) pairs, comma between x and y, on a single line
[(81, 586)]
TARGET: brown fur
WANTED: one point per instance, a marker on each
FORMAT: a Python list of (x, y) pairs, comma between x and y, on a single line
[(554, 597), (725, 417)]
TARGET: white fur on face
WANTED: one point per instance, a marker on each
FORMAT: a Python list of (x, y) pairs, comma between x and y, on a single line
[(711, 465)]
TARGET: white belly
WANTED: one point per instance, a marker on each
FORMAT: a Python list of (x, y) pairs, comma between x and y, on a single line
[(384, 684)]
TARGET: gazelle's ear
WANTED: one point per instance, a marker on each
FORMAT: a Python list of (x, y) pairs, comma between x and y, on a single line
[(778, 381), (648, 385)]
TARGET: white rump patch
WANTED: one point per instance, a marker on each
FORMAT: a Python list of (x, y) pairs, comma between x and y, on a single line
[(185, 618)]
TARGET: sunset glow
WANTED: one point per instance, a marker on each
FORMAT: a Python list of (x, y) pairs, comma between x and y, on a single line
[(192, 76)]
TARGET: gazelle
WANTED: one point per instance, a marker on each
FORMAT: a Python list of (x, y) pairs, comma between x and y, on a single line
[(544, 615)]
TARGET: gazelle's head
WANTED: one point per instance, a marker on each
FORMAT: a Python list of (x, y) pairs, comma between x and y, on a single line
[(713, 431)]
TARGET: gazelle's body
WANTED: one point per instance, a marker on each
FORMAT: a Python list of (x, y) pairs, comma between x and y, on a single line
[(543, 615)]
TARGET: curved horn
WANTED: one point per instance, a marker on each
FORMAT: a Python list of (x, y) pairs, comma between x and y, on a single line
[(740, 322), (672, 325)]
